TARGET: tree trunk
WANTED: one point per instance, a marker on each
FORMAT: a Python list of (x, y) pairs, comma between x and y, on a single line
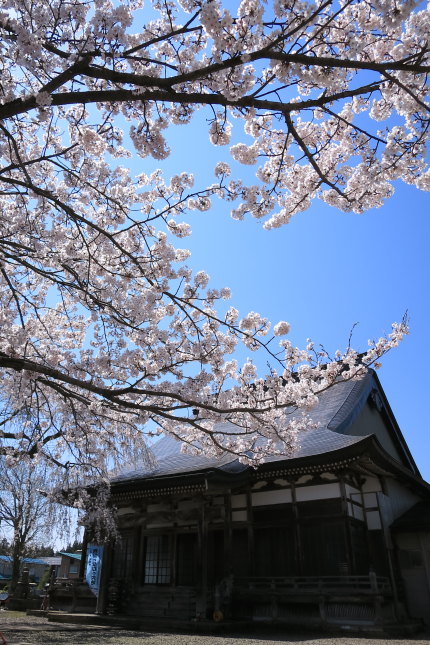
[(17, 549)]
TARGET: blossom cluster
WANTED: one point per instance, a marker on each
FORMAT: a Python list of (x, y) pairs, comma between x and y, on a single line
[(105, 333)]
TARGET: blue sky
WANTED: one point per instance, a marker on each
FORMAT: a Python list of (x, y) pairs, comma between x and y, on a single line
[(323, 272), (326, 271)]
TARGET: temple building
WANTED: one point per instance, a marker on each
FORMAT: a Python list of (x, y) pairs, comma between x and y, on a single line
[(337, 532)]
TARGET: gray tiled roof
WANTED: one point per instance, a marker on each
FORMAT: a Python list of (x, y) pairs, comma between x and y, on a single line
[(337, 408)]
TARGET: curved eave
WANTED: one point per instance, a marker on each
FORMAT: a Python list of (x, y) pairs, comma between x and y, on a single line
[(335, 458), (366, 456), (378, 461), (186, 483)]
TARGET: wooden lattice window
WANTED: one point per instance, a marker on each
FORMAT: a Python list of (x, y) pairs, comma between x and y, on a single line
[(157, 560), (123, 556)]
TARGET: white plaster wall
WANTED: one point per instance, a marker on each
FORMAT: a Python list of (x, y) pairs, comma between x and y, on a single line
[(268, 497), (321, 491), (396, 502), (238, 501), (351, 491), (370, 421), (373, 520), (355, 511), (371, 485), (329, 476), (370, 500), (126, 510)]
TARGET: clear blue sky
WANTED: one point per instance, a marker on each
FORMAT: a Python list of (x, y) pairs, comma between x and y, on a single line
[(323, 272)]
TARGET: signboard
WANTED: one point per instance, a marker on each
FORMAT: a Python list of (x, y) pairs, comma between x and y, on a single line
[(93, 567)]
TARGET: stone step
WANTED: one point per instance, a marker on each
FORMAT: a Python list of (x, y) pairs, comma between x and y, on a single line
[(163, 603)]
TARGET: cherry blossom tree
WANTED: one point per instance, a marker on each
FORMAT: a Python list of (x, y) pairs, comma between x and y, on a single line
[(106, 335), (26, 514)]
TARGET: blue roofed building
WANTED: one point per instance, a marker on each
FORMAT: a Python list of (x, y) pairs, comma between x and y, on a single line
[(36, 567)]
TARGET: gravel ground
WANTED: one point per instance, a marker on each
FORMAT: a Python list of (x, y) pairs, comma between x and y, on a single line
[(19, 629)]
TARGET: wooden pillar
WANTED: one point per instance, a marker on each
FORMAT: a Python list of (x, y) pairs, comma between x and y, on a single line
[(83, 555), (139, 562), (103, 597), (201, 602), (250, 520), (228, 535), (297, 535), (174, 558), (135, 571), (390, 557), (370, 562), (348, 537)]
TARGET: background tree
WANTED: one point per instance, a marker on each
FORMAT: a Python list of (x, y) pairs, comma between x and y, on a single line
[(25, 513), (72, 547), (4, 546), (105, 331), (38, 550)]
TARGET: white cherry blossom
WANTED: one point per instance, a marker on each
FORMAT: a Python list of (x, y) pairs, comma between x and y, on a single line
[(106, 336)]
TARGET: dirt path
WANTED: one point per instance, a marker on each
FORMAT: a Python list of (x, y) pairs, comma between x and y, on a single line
[(19, 629)]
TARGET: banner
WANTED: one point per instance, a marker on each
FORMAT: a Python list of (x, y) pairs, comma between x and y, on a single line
[(93, 567)]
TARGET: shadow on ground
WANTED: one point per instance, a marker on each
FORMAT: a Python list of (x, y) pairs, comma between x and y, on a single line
[(19, 629)]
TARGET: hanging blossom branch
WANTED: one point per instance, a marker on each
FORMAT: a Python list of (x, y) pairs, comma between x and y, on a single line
[(106, 335)]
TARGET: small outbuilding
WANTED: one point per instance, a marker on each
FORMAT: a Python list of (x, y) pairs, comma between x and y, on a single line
[(69, 565)]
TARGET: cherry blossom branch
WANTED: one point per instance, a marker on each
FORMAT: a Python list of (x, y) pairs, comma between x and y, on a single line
[(310, 157), (22, 106), (106, 333)]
